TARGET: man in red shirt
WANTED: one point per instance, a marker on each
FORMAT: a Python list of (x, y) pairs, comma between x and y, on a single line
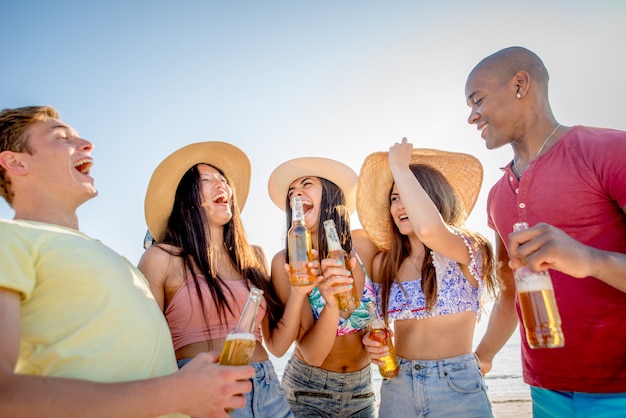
[(569, 185)]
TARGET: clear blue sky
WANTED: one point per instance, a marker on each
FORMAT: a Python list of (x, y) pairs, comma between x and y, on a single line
[(285, 79)]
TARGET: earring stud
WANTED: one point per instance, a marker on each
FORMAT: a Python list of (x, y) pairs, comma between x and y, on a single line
[(518, 95)]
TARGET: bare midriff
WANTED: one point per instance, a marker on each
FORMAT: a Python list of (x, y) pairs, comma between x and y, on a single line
[(435, 338), (347, 354), (216, 345)]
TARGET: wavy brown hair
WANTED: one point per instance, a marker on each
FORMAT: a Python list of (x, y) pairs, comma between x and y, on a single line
[(451, 209)]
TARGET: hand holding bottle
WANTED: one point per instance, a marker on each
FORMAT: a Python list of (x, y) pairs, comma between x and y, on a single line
[(336, 282), (545, 246), (388, 365)]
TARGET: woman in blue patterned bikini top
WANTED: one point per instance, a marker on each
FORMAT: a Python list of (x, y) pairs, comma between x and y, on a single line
[(328, 346), (431, 276)]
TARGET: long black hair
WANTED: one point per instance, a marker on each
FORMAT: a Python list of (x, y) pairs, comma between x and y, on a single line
[(332, 206), (187, 231)]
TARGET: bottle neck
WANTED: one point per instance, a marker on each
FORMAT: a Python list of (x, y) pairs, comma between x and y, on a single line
[(332, 238), (250, 310)]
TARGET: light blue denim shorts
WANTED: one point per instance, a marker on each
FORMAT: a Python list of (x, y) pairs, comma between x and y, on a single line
[(315, 392), (267, 398), (555, 404), (452, 387)]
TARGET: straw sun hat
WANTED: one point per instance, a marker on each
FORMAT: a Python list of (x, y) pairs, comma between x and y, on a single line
[(164, 181), (463, 171), (340, 174)]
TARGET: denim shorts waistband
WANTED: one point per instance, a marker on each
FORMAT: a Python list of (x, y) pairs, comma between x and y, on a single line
[(428, 367), (326, 377)]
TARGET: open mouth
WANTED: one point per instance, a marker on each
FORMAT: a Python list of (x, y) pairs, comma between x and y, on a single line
[(220, 198), (84, 165), (306, 206)]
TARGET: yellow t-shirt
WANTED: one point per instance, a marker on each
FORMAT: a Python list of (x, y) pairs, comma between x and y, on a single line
[(86, 312)]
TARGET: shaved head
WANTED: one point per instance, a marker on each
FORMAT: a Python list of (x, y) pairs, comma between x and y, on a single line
[(503, 65)]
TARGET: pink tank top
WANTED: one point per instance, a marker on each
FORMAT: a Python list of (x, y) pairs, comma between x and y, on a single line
[(187, 321)]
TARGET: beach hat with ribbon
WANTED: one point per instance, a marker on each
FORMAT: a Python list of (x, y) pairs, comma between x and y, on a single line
[(340, 174), (463, 171), (159, 201)]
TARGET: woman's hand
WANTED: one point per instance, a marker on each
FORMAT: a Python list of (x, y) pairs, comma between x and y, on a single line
[(335, 279), (375, 349)]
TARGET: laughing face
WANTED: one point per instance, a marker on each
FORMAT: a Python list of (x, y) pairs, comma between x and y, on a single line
[(398, 213), (60, 162), (310, 189), (216, 195)]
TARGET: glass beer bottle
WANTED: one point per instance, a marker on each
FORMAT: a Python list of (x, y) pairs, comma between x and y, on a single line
[(380, 333), (241, 341), (348, 300), (299, 246), (540, 313)]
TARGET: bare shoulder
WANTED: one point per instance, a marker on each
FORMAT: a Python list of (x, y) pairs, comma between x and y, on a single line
[(159, 261), (364, 248)]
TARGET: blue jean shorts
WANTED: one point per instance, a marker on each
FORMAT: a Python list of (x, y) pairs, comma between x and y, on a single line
[(315, 392), (452, 387), (555, 404), (267, 398)]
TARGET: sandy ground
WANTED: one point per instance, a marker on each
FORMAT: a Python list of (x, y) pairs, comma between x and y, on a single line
[(511, 406)]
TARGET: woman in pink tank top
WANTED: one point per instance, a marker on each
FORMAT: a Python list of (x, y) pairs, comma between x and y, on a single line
[(201, 266)]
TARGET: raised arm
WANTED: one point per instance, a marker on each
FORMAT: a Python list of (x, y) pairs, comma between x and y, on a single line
[(423, 215), (295, 300), (203, 390)]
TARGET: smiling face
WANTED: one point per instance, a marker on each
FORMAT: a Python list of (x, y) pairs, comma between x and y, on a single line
[(398, 212), (60, 163), (310, 189), (494, 107), (216, 195)]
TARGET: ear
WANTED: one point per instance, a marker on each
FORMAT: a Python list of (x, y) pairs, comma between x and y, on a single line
[(13, 162), (521, 82)]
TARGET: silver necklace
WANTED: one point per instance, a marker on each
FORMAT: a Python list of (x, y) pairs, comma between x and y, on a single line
[(518, 173)]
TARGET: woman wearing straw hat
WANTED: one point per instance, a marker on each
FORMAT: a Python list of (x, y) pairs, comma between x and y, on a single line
[(201, 267), (429, 279), (329, 373)]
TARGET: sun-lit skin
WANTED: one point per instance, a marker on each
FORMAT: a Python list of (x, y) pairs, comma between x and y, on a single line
[(310, 189), (57, 170), (491, 101), (398, 213), (217, 195)]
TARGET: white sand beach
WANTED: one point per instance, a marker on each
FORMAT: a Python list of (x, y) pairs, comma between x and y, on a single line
[(511, 406)]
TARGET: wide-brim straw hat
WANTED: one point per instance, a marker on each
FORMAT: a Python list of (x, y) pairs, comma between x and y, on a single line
[(340, 174), (159, 202), (463, 171)]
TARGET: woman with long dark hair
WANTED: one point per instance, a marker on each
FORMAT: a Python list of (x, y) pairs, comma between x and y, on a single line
[(201, 267), (329, 372)]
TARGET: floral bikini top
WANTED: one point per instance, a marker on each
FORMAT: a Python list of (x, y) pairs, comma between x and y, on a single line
[(454, 293), (359, 319)]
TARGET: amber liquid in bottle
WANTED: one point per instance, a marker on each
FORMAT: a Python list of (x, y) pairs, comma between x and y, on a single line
[(540, 313), (241, 341), (348, 300), (299, 247), (380, 333)]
